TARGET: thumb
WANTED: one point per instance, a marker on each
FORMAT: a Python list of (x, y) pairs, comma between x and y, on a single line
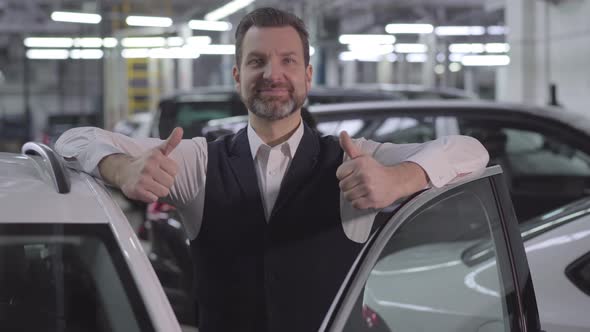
[(348, 146), (172, 141)]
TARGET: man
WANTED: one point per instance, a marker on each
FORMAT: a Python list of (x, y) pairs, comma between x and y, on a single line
[(276, 214)]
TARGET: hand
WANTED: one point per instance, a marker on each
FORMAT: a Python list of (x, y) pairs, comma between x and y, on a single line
[(368, 184), (151, 175)]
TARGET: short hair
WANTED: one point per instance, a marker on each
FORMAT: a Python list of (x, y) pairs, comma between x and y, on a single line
[(271, 17)]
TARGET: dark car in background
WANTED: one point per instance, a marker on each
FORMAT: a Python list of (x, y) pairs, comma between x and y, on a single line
[(543, 151), (418, 92), (58, 124), (193, 109)]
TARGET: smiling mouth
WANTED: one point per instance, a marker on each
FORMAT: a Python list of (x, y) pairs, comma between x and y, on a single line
[(273, 91)]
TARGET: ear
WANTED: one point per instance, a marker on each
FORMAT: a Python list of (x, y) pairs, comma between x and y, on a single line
[(236, 75), (308, 76)]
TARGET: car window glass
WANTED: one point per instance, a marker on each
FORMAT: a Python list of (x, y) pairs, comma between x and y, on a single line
[(352, 126), (438, 272), (55, 278), (578, 272), (405, 130), (528, 152)]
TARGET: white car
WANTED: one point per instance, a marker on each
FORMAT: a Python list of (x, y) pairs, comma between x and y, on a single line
[(69, 260), (137, 125), (450, 259)]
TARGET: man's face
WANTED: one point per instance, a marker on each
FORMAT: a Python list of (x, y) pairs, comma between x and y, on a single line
[(272, 78)]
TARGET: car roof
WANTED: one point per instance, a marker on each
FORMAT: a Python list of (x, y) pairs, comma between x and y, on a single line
[(29, 195), (416, 88), (568, 117), (223, 93)]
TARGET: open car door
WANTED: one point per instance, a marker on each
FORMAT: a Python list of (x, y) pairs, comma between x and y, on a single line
[(450, 259)]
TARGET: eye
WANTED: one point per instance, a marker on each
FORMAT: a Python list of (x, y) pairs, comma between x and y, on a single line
[(255, 61), (289, 60)]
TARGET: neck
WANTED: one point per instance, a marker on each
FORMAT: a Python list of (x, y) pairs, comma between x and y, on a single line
[(275, 132)]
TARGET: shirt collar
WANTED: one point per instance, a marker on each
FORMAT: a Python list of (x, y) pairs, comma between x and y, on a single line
[(292, 143)]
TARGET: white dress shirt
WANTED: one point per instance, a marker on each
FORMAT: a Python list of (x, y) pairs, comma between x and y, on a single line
[(444, 160), (272, 164)]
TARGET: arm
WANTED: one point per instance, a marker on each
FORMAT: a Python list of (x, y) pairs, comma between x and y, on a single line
[(378, 174), (146, 177), (122, 161)]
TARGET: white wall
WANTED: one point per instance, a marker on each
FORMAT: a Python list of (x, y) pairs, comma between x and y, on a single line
[(549, 44)]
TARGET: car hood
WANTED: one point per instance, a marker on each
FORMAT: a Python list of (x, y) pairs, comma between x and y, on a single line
[(433, 279)]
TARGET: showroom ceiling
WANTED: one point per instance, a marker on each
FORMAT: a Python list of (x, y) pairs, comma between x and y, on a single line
[(33, 16)]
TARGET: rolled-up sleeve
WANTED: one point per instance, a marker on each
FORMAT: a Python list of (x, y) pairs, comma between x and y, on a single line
[(445, 160), (83, 148)]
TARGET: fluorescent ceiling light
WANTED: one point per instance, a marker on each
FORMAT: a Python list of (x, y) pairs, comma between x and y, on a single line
[(131, 53), (76, 17), (497, 48), (371, 48), (411, 48), (37, 54), (88, 42), (216, 49), (366, 57), (409, 28), (143, 42), (198, 40), (311, 50), (86, 54), (173, 53), (416, 57), (149, 21), (110, 42), (485, 60), (460, 31), (467, 48), (454, 67), (49, 42), (175, 41), (366, 39), (497, 30), (227, 9), (456, 57), (209, 25)]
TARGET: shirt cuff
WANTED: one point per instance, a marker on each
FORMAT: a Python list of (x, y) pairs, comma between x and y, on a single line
[(436, 165)]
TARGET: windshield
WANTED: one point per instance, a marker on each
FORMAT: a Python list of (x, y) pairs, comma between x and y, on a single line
[(66, 278)]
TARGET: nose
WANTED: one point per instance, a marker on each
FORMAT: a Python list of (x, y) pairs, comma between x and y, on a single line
[(273, 71)]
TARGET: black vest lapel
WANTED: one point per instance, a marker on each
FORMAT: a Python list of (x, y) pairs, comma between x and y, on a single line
[(300, 169), (242, 165)]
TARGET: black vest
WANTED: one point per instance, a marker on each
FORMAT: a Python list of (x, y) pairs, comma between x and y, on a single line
[(278, 276)]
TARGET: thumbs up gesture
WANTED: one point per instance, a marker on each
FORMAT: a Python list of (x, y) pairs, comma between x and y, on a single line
[(368, 184), (151, 175)]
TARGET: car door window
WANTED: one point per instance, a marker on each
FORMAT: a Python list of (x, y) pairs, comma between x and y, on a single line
[(529, 152), (544, 167), (405, 130), (352, 126), (446, 268), (66, 277)]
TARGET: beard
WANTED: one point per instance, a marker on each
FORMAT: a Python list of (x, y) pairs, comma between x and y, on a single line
[(273, 108)]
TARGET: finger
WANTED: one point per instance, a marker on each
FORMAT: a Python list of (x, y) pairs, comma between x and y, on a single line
[(169, 166), (163, 178), (349, 182), (146, 196), (356, 193), (362, 203), (155, 188), (345, 170), (348, 146), (172, 141)]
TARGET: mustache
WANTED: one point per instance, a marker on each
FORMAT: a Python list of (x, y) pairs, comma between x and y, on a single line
[(273, 85)]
